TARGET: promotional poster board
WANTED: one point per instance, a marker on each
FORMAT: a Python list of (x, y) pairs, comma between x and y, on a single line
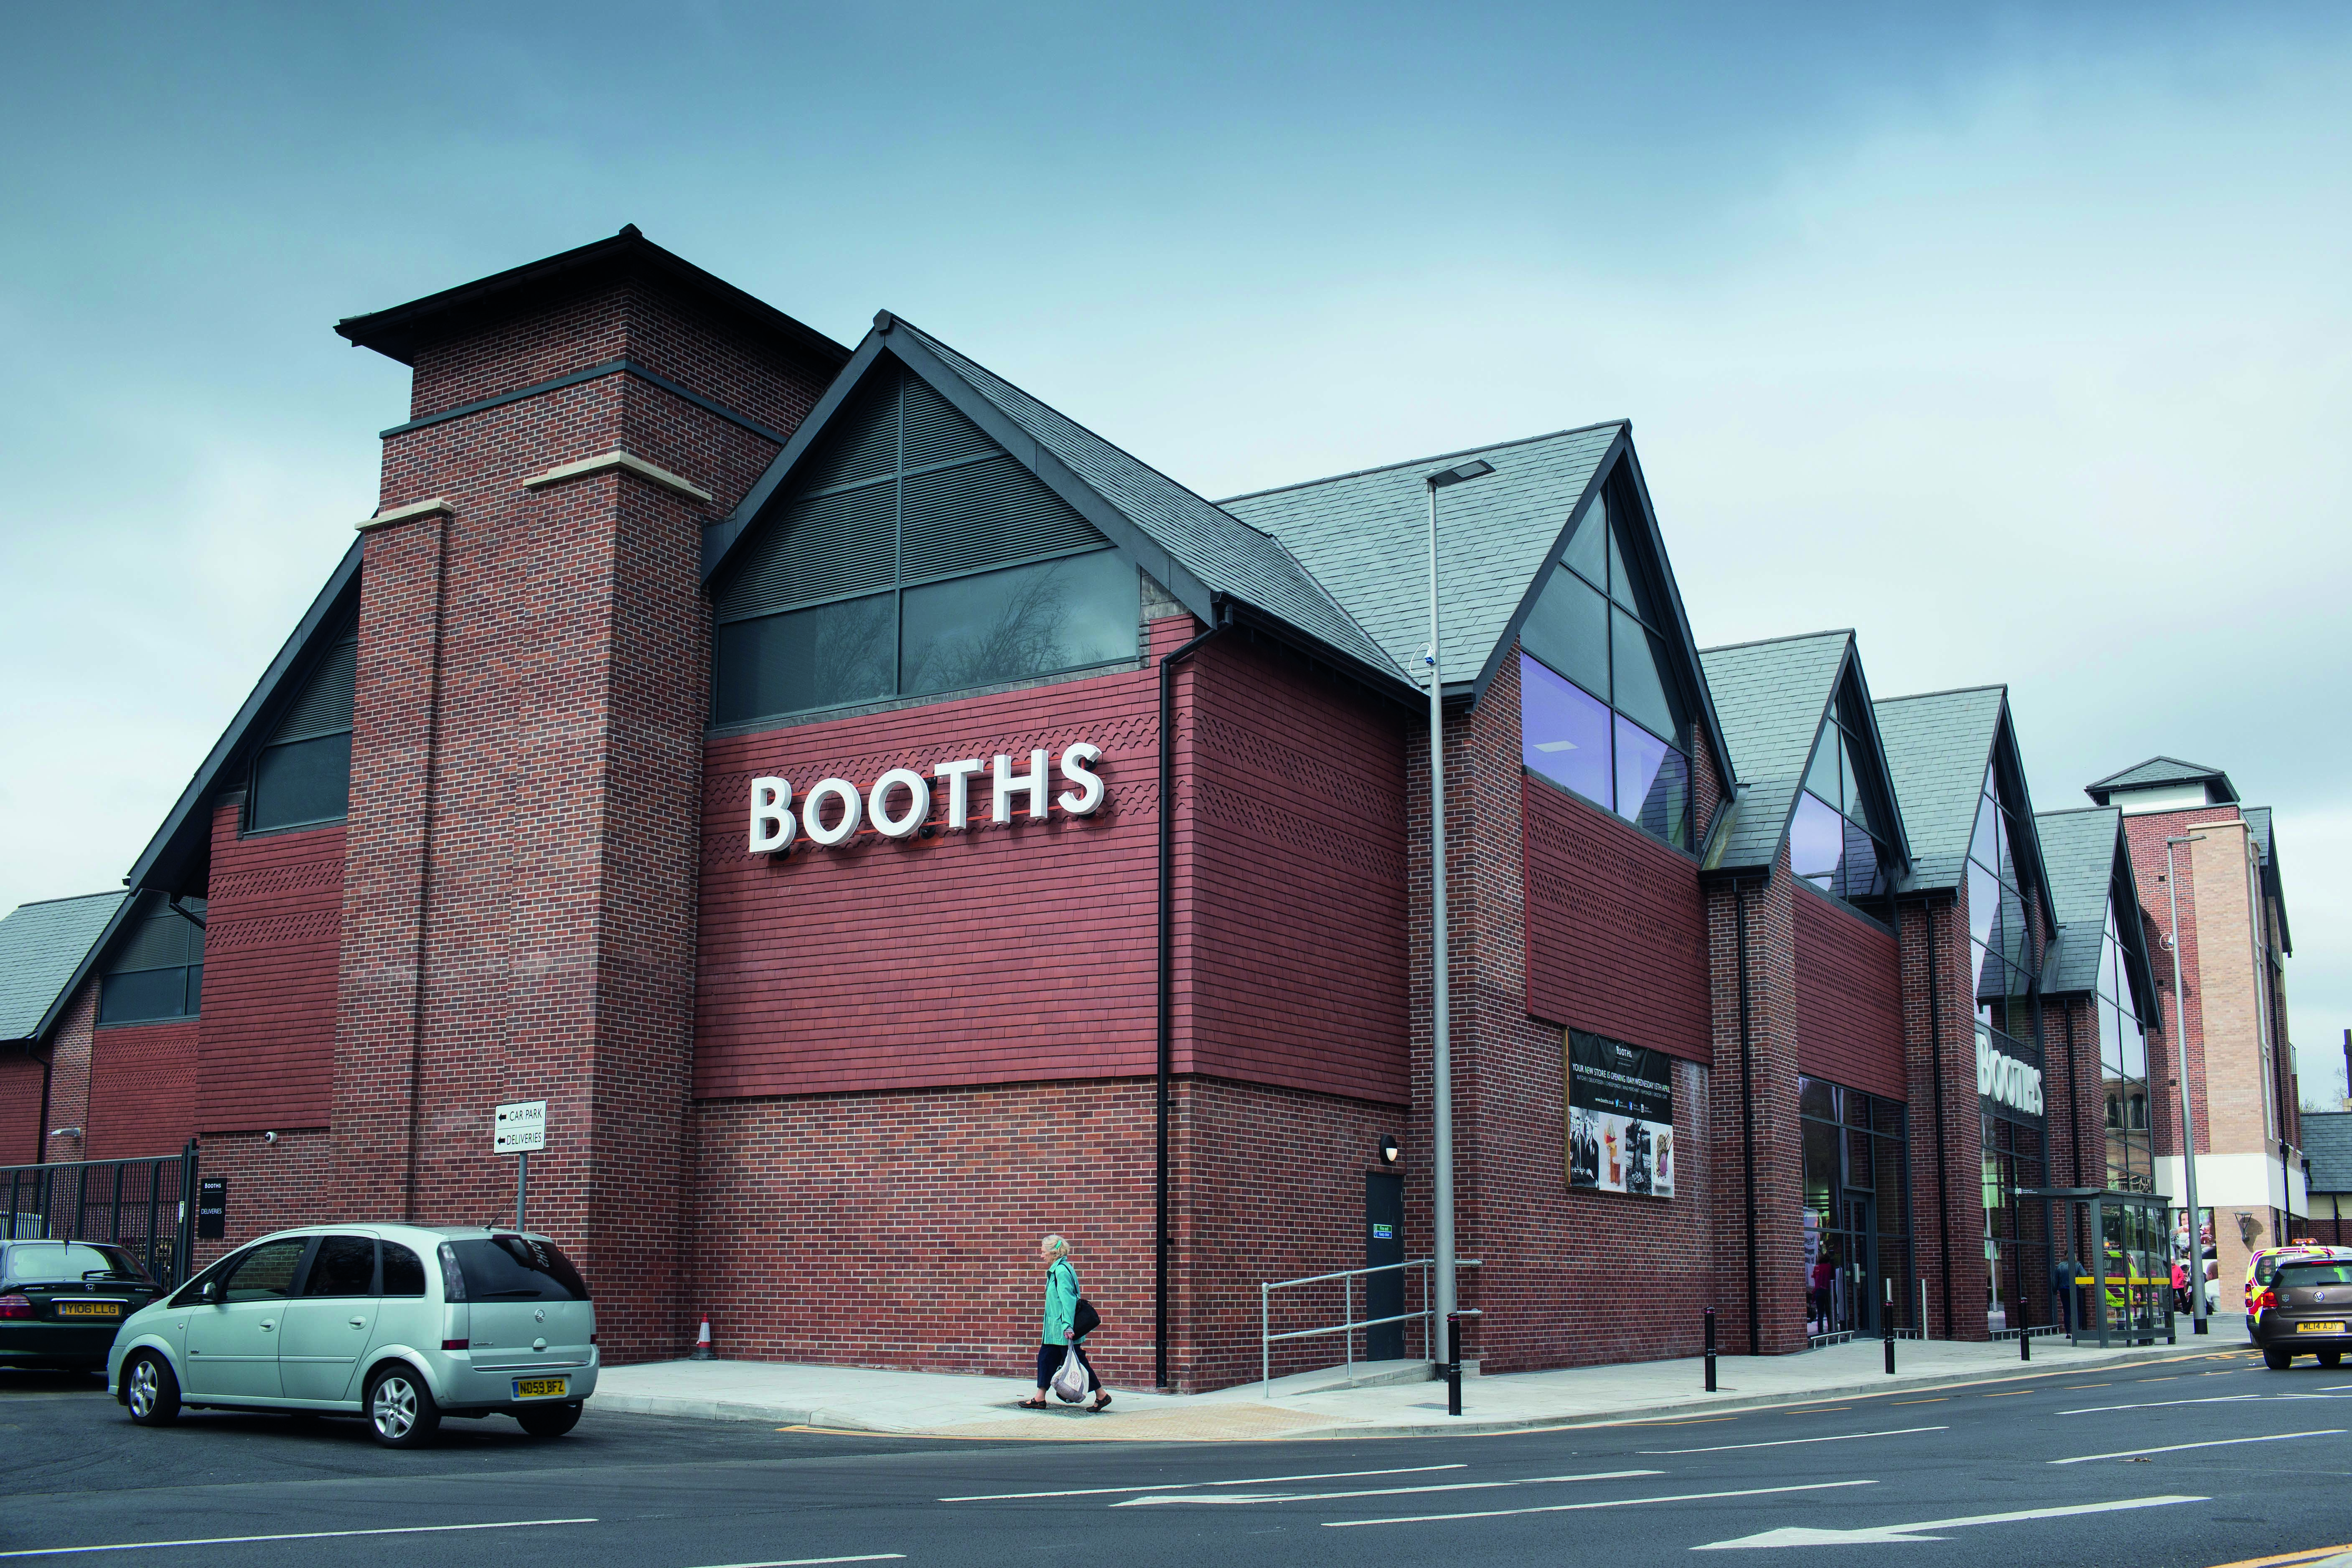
[(1621, 1117)]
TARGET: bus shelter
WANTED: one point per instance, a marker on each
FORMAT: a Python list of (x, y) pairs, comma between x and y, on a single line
[(2111, 1278)]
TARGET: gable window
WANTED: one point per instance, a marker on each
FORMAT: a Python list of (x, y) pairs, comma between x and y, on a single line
[(158, 974), (2123, 1067), (1836, 837), (303, 776), (915, 557), (1601, 709), (2001, 942)]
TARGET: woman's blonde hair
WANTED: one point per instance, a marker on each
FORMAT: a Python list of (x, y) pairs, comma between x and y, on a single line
[(1057, 1245)]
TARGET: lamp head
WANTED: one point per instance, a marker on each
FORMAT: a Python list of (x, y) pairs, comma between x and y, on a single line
[(1390, 1152), (1475, 468)]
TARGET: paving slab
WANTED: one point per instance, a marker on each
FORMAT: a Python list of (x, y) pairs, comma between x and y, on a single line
[(1336, 1401)]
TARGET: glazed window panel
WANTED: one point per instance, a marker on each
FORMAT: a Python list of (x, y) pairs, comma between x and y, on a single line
[(1018, 624), (825, 656), (1816, 841), (1568, 630), (1564, 733), (1653, 784), (1638, 689)]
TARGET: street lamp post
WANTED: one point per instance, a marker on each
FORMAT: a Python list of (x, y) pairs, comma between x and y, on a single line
[(1440, 1071), (2188, 1126)]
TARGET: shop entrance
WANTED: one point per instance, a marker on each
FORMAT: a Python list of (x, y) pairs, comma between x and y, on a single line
[(2111, 1282), (1383, 1245)]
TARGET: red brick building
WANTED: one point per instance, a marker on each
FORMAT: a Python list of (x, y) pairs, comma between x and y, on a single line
[(886, 822)]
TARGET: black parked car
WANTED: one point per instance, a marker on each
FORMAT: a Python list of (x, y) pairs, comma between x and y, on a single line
[(60, 1301), (2306, 1310)]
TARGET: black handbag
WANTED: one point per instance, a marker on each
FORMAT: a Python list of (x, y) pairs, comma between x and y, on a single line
[(1084, 1319)]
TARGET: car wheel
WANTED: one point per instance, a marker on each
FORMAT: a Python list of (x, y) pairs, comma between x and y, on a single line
[(400, 1408), (2278, 1360), (548, 1420), (150, 1390)]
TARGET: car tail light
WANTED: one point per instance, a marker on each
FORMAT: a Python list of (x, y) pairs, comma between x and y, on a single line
[(15, 1306), (455, 1345), (2266, 1300)]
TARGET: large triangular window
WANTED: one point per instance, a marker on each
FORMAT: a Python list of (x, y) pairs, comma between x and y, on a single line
[(303, 777), (1837, 834), (914, 557), (1602, 711)]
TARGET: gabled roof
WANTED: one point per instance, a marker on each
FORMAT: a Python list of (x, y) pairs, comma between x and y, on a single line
[(1938, 745), (1773, 697), (2257, 822), (1365, 535), (1208, 559), (44, 949), (175, 858), (2089, 863), (2327, 1145), (2161, 770), (401, 331)]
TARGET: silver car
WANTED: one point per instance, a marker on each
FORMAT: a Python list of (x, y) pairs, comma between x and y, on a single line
[(403, 1324)]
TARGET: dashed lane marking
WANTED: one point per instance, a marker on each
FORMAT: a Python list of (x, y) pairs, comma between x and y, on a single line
[(1183, 1486), (1792, 1442), (1582, 1507), (812, 1562), (293, 1535), (1246, 1499), (2212, 1443), (2291, 1559), (1939, 1399)]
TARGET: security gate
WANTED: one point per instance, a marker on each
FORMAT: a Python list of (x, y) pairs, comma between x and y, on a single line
[(146, 1206)]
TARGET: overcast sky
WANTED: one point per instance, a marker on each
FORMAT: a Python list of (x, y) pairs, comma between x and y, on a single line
[(2019, 340)]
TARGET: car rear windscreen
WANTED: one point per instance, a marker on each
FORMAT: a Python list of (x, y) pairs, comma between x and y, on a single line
[(71, 1263), (2304, 1276), (518, 1268)]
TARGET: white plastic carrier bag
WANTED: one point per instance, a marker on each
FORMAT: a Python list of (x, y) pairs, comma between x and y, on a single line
[(1071, 1383)]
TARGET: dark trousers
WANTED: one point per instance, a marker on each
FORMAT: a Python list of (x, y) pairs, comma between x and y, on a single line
[(1049, 1362)]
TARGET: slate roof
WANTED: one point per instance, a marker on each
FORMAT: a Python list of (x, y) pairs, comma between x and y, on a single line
[(1772, 697), (2257, 822), (2327, 1145), (1365, 535), (2159, 771), (1937, 746), (2078, 851), (42, 947)]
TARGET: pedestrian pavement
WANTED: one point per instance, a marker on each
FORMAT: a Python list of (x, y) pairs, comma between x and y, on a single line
[(1332, 1403)]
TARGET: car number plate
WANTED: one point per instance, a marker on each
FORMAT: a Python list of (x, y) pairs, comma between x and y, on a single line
[(2319, 1328), (89, 1308), (539, 1388)]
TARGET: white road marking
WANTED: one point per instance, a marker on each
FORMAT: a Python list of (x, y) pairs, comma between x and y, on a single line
[(1179, 1486), (2211, 1399), (1580, 1506), (1880, 1535), (296, 1535), (813, 1562), (1245, 1499), (1790, 1441), (2215, 1443)]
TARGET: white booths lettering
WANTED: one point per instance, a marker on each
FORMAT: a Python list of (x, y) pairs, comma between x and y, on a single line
[(900, 803), (2005, 1080)]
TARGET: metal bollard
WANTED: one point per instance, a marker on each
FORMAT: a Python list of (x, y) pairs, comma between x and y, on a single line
[(1886, 1323), (2024, 1342), (1454, 1363), (1710, 1349)]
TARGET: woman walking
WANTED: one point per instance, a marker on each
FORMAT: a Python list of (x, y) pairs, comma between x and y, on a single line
[(1059, 1337)]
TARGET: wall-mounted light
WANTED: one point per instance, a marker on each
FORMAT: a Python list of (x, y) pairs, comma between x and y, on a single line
[(269, 1138), (1390, 1152), (65, 1132)]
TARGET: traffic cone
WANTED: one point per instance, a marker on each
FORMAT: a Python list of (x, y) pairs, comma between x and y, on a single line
[(702, 1342)]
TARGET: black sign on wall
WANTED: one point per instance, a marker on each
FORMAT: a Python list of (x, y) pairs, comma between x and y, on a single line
[(1621, 1116), (212, 1207)]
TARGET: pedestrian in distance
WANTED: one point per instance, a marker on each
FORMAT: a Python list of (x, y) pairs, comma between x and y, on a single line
[(1065, 1332)]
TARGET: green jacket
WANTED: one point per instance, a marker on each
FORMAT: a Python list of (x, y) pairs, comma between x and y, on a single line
[(1061, 1300)]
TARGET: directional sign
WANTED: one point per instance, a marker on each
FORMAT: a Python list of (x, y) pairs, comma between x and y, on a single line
[(520, 1127), (1925, 1529)]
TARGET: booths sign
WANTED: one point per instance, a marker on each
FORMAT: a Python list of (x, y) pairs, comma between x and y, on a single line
[(900, 802), (2005, 1080)]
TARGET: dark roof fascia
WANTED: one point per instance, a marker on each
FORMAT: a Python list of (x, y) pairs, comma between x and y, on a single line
[(1380, 682), (2131, 931), (2005, 751), (2270, 879), (2196, 773), (169, 854), (1877, 747), (89, 961), (1621, 451), (398, 331)]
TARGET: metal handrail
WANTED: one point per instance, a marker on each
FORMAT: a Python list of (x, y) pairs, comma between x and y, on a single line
[(1350, 1322)]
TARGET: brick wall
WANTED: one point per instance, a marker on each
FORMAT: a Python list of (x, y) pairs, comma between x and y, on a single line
[(70, 1058), (1849, 997), (275, 1187), (272, 928), (518, 913), (1946, 1189), (143, 1088), (2183, 1037), (1755, 1069), (20, 1109)]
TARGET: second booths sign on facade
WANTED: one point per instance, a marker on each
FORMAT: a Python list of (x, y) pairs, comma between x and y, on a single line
[(1621, 1117)]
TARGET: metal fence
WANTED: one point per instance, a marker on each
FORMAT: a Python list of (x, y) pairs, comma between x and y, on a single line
[(147, 1206)]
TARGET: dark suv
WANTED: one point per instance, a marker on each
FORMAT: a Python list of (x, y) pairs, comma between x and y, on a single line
[(60, 1301), (2306, 1310)]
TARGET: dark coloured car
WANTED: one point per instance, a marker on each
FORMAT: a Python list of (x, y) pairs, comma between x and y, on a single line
[(61, 1301), (2306, 1310)]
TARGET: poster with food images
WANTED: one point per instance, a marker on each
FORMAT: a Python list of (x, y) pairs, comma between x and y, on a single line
[(1621, 1116)]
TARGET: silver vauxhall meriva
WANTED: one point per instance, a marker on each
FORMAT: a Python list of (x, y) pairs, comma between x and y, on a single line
[(403, 1324)]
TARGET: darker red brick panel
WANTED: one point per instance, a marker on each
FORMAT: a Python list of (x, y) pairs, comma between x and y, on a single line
[(21, 1133), (1849, 998), (266, 1048), (142, 1089)]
